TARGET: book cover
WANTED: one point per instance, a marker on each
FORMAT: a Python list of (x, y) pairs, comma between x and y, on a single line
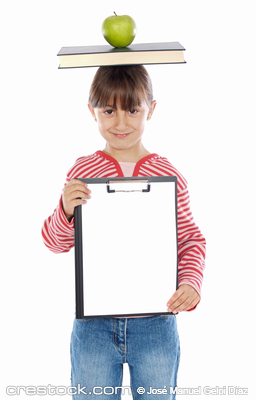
[(142, 53)]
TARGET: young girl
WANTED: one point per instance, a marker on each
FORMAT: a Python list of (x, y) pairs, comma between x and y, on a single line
[(121, 102)]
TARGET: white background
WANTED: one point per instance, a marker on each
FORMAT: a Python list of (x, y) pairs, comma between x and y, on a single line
[(200, 124)]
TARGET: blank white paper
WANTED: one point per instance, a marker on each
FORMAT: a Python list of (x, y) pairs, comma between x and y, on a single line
[(129, 249)]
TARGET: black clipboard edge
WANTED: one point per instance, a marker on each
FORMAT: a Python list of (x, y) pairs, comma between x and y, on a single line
[(79, 246), (176, 208), (164, 178), (79, 263), (152, 314)]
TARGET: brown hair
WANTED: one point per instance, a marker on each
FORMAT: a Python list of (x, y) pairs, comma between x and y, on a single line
[(130, 84)]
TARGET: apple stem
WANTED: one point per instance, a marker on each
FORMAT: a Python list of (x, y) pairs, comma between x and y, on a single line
[(115, 13)]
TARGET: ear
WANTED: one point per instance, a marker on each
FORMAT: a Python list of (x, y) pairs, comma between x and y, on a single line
[(92, 111), (151, 110)]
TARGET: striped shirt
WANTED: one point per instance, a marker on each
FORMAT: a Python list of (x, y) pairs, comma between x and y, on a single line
[(58, 232)]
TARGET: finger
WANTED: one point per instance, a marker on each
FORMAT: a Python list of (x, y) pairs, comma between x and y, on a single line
[(178, 298), (191, 305), (178, 304), (175, 296), (68, 207), (74, 194), (78, 202), (74, 203), (182, 306), (78, 194), (75, 184), (185, 298), (87, 191), (185, 302)]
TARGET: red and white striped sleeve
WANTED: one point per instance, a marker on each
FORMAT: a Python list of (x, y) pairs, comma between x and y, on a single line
[(191, 245), (191, 242), (57, 231)]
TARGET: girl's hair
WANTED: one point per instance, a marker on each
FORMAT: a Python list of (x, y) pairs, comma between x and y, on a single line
[(130, 84)]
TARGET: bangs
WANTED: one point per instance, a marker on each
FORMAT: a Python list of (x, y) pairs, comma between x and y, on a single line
[(126, 98), (117, 85)]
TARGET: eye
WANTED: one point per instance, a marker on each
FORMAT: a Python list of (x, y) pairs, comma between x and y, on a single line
[(133, 111), (108, 112)]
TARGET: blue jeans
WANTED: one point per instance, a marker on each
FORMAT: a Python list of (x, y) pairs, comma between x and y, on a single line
[(100, 346)]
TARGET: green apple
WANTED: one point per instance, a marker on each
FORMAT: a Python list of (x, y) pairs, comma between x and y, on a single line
[(119, 30)]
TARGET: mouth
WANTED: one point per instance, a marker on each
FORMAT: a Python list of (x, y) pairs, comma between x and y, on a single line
[(121, 136)]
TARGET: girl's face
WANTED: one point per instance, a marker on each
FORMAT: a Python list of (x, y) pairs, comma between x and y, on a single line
[(122, 129)]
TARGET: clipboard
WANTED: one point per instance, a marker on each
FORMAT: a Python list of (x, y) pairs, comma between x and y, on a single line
[(126, 262)]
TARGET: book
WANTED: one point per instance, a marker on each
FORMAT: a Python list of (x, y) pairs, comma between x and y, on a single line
[(143, 53)]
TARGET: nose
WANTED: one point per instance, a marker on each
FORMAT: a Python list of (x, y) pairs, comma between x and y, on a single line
[(121, 120)]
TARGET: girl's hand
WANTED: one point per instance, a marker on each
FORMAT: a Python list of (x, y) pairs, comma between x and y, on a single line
[(74, 194), (185, 298)]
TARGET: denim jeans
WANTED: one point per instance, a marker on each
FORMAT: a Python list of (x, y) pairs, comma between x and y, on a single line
[(100, 347)]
